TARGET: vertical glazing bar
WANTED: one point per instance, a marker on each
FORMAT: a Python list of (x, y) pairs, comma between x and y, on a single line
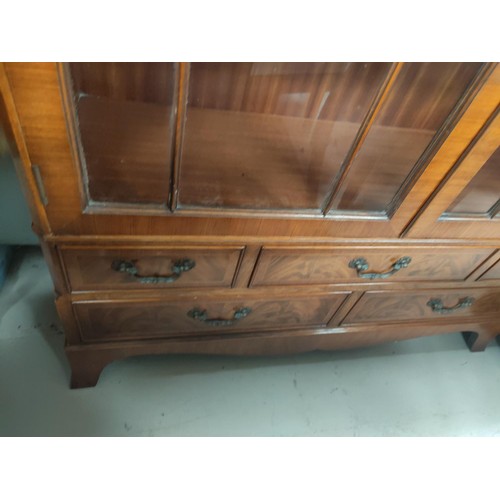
[(376, 106), (182, 96)]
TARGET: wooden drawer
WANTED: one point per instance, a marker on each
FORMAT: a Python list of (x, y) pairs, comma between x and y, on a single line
[(156, 317), (436, 305), (323, 265), (140, 268)]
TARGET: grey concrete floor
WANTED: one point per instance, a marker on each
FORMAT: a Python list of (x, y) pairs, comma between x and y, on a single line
[(423, 387)]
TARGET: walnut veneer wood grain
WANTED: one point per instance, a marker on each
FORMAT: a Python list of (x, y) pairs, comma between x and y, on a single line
[(390, 307), (92, 269), (107, 321), (308, 265)]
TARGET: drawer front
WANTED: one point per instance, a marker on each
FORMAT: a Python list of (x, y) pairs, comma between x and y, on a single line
[(297, 266), (159, 318), (436, 304), (133, 268)]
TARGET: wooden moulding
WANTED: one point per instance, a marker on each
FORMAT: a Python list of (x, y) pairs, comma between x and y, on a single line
[(88, 361)]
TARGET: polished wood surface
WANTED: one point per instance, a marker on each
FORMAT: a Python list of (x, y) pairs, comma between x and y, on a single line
[(493, 273), (390, 307), (92, 269), (88, 361), (314, 265), (434, 221), (480, 103), (106, 321), (269, 176), (20, 153), (36, 91)]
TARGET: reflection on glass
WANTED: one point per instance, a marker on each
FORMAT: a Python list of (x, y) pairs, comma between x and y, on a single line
[(124, 120), (483, 192), (422, 97), (271, 135)]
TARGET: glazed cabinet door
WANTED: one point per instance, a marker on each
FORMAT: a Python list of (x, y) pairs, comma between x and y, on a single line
[(467, 205), (333, 140), (177, 147)]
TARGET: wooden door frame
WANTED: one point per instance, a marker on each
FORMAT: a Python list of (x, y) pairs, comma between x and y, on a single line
[(424, 197), (35, 107), (430, 223)]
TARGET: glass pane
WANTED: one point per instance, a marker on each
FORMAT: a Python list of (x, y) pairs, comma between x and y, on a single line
[(483, 192), (125, 120), (422, 97), (271, 135)]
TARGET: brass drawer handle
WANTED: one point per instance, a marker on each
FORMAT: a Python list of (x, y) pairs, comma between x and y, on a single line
[(437, 305), (178, 267), (362, 265), (203, 316)]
